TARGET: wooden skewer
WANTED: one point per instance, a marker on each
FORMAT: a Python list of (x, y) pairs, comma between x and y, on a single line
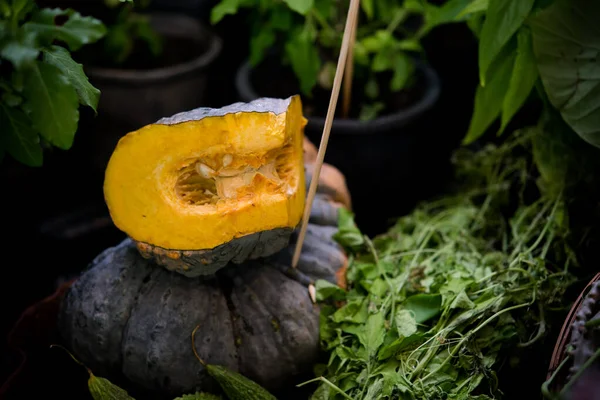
[(349, 73), (351, 19)]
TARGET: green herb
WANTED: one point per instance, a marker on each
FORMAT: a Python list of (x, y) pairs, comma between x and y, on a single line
[(437, 304), (41, 86)]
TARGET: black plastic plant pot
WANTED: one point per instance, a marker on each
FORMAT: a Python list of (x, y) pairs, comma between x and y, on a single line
[(390, 162)]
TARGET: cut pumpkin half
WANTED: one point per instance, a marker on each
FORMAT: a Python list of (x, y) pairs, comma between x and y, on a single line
[(210, 186)]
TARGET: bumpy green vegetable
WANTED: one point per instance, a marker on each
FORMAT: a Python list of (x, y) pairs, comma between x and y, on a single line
[(236, 386), (103, 389)]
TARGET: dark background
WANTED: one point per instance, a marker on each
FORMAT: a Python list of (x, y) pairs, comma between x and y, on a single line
[(54, 220)]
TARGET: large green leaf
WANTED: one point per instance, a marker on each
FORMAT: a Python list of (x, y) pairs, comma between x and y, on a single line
[(524, 76), (52, 104), (61, 58), (19, 139), (75, 32), (300, 6), (503, 19), (490, 98), (566, 44), (304, 58)]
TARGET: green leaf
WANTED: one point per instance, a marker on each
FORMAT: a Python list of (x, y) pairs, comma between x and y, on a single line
[(403, 71), (305, 60), (424, 306), (369, 112), (146, 33), (61, 58), (103, 389), (327, 290), (52, 104), (354, 311), (75, 32), (300, 6), (20, 50), (348, 234), (367, 7), (119, 43), (523, 78), (21, 8), (383, 60), (372, 333), (476, 6), (489, 99), (405, 323), (260, 43), (503, 20), (199, 396), (19, 139), (566, 45), (439, 15), (462, 301)]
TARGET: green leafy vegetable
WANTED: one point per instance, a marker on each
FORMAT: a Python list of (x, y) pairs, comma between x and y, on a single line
[(60, 58), (452, 291), (565, 43), (43, 86), (52, 103)]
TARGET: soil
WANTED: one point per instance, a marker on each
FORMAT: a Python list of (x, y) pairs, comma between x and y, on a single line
[(272, 79)]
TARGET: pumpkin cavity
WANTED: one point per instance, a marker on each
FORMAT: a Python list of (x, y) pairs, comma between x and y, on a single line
[(224, 176)]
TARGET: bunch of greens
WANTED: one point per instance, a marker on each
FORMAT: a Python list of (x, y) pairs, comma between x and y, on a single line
[(41, 85), (551, 45), (307, 35), (442, 300)]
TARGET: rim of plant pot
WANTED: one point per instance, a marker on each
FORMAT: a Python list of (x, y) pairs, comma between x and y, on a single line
[(384, 123), (172, 25)]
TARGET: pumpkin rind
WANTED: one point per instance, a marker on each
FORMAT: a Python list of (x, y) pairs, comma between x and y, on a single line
[(146, 167)]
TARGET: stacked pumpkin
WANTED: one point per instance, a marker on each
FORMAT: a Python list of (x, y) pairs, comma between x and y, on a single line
[(214, 196)]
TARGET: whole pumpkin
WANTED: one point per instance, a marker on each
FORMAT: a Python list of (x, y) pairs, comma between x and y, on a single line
[(128, 318)]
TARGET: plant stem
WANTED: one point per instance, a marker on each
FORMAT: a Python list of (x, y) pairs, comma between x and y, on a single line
[(328, 383)]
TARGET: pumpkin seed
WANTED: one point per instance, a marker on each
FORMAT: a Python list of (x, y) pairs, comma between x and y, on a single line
[(205, 171), (227, 159)]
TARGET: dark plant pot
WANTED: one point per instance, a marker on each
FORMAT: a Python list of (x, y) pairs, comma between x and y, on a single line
[(132, 98), (390, 163)]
